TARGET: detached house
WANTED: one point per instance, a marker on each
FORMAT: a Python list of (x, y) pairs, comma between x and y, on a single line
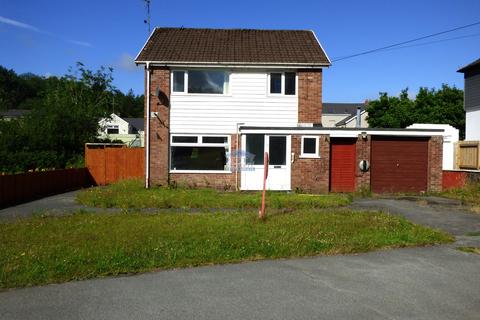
[(217, 99), (471, 100)]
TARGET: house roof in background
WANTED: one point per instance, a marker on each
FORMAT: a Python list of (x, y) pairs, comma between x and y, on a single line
[(471, 66), (341, 108), (348, 119), (233, 46), (13, 113), (137, 123)]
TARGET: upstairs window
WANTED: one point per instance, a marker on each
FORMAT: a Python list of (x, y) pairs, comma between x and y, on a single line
[(178, 81), (112, 129), (282, 83), (200, 81), (275, 83)]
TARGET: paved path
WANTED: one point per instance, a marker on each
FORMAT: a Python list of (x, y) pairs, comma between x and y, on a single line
[(55, 205), (437, 282), (440, 213)]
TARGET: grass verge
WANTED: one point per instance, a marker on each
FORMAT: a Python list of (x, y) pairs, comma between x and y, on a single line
[(44, 250), (470, 194), (469, 249), (132, 194)]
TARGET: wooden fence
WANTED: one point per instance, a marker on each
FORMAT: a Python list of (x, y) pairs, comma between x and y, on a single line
[(111, 163), (467, 155), (23, 187)]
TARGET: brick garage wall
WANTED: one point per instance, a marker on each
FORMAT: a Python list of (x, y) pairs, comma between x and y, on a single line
[(222, 181), (435, 159), (310, 96), (159, 126), (311, 174), (363, 147)]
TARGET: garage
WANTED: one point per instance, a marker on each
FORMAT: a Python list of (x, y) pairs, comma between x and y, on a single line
[(399, 164), (342, 164)]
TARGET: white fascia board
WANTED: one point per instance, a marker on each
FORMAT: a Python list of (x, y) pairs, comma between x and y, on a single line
[(143, 47), (346, 133), (245, 65), (318, 41)]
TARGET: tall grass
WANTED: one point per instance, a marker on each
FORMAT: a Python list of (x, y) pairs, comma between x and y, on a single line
[(45, 250), (132, 194)]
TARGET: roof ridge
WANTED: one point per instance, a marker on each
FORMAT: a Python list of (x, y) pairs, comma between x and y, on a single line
[(232, 29)]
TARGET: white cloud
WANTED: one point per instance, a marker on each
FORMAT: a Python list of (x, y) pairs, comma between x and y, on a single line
[(19, 24), (81, 43), (126, 62)]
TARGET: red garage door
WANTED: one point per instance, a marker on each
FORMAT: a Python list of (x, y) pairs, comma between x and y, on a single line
[(342, 165), (399, 164)]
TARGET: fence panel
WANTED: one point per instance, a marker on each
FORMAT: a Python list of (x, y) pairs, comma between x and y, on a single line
[(23, 187), (111, 163), (467, 155)]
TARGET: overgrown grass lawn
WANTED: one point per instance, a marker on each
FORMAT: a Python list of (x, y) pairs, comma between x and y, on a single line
[(45, 250), (132, 194), (469, 194)]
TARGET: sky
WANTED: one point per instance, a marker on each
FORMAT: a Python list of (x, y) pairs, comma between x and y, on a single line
[(47, 37)]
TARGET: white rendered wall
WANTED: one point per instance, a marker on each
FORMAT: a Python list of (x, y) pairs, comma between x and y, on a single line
[(472, 125), (450, 136)]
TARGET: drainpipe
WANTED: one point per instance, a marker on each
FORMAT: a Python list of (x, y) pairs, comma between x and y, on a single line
[(237, 153), (147, 131), (359, 121)]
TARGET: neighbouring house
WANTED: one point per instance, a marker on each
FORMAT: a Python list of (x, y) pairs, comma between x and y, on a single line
[(218, 99), (471, 101), (344, 115), (128, 130), (12, 114)]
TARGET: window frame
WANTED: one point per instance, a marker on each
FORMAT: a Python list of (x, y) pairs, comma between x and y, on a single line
[(185, 83), (282, 91), (199, 143), (317, 147), (114, 127)]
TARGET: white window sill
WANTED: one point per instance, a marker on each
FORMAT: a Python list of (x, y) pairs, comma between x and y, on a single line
[(309, 156), (281, 95), (200, 171), (186, 94)]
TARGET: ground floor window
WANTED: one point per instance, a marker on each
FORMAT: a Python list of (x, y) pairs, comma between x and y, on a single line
[(309, 147), (199, 153)]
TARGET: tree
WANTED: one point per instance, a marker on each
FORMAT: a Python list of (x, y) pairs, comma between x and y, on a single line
[(444, 106), (54, 133)]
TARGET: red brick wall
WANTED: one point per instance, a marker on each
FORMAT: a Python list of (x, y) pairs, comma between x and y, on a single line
[(159, 126), (223, 181), (435, 159), (362, 179), (311, 174), (310, 96)]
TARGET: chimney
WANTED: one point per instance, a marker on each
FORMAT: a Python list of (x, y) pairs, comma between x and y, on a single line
[(359, 120)]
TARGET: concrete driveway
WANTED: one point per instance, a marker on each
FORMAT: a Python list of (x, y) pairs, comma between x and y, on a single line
[(437, 282)]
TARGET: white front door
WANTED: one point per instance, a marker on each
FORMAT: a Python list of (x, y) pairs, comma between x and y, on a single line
[(278, 148)]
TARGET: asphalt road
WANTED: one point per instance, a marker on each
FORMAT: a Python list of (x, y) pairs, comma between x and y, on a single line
[(415, 283)]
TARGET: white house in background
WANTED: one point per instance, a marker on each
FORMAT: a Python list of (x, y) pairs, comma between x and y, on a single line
[(344, 115), (450, 137), (471, 100), (127, 130)]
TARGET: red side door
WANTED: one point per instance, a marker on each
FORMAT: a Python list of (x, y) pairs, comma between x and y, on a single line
[(342, 164)]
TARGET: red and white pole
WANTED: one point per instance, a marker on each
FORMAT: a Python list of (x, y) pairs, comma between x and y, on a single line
[(261, 213)]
